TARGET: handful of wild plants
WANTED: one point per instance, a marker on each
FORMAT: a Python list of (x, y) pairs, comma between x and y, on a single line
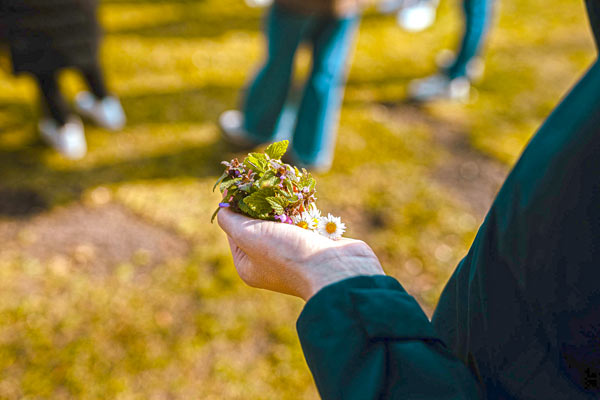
[(264, 187)]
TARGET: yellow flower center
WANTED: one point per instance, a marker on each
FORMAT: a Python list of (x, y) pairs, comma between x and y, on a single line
[(302, 224), (331, 227)]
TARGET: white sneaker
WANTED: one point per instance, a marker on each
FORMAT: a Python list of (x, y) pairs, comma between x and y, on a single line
[(231, 123), (439, 86), (106, 112), (258, 3), (68, 139), (417, 15), (475, 69)]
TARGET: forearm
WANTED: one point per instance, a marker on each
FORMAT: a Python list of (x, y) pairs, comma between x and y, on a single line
[(366, 338)]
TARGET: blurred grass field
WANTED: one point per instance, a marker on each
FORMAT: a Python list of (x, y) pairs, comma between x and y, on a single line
[(113, 283)]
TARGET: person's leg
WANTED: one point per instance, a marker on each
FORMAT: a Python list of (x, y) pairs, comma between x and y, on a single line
[(268, 91), (95, 80), (54, 101), (99, 106), (62, 130), (314, 135), (478, 16)]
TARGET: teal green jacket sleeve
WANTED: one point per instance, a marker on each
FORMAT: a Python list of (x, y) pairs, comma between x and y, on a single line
[(366, 338)]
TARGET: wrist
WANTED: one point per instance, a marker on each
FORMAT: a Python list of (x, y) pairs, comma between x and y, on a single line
[(327, 272)]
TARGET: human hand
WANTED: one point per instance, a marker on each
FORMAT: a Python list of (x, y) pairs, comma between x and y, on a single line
[(288, 259)]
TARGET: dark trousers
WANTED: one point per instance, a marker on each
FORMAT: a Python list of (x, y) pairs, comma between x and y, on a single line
[(55, 104)]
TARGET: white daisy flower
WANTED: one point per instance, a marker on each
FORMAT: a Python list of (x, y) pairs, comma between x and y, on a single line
[(305, 221), (314, 214), (331, 227)]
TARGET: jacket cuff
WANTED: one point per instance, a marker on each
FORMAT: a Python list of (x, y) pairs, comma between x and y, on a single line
[(378, 304)]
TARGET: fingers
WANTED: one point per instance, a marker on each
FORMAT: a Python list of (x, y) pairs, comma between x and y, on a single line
[(241, 262), (237, 225), (250, 234), (235, 250), (229, 221)]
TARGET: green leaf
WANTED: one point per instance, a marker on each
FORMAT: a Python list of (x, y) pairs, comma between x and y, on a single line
[(223, 176), (311, 183), (258, 203), (289, 186), (277, 150), (257, 162), (245, 187), (269, 174), (268, 180), (258, 156), (252, 163), (228, 184), (246, 210), (277, 204)]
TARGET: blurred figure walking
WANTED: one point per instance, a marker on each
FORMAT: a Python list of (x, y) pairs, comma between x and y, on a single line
[(46, 36), (330, 27), (454, 79)]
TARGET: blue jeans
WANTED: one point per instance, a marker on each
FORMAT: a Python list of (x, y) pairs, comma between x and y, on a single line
[(331, 38), (477, 20)]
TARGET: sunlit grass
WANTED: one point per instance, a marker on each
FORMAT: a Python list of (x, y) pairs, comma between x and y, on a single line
[(187, 327)]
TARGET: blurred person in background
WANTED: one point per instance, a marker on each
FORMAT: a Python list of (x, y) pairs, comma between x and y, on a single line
[(518, 319), (453, 81), (330, 27), (46, 36)]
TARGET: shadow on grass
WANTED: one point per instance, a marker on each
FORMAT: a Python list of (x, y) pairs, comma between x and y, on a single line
[(25, 176), (15, 115), (191, 105), (192, 21), (382, 80), (21, 202), (195, 26), (195, 22)]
